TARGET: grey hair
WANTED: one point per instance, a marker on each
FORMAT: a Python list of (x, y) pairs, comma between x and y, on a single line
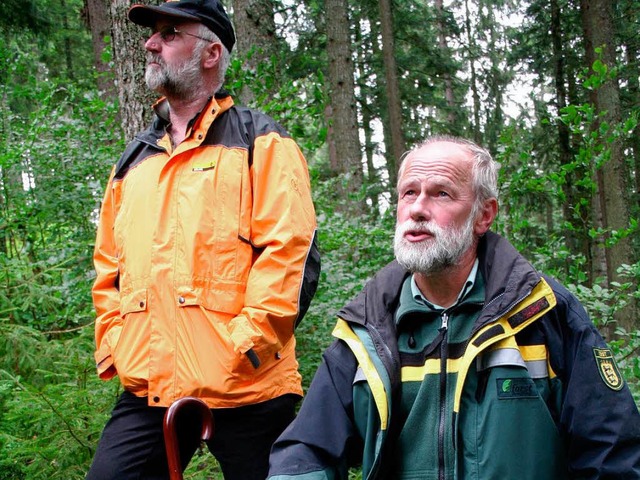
[(484, 171), (225, 58)]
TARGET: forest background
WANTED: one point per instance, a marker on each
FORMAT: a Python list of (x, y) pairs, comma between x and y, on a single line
[(551, 87)]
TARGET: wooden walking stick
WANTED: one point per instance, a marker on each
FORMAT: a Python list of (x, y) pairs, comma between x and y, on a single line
[(183, 405)]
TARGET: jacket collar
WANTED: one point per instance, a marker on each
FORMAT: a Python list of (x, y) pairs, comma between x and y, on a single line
[(509, 277), (216, 105)]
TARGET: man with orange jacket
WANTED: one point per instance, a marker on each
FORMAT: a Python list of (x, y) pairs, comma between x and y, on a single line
[(205, 258)]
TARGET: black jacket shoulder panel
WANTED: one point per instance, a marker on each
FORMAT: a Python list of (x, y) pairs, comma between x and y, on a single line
[(142, 146), (374, 308), (238, 127), (379, 296)]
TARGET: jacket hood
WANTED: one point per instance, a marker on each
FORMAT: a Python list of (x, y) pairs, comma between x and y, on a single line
[(509, 277)]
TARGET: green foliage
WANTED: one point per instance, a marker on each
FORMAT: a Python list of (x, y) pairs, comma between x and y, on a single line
[(24, 14), (353, 250), (595, 136), (54, 165), (52, 34), (58, 140), (297, 104), (49, 427)]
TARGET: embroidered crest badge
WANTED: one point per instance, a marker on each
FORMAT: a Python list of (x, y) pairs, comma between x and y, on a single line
[(608, 369)]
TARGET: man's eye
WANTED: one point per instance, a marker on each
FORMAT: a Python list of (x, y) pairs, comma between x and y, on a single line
[(168, 34), (443, 194)]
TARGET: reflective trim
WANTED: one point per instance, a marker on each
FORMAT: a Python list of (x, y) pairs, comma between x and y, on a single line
[(344, 332), (534, 352), (481, 341), (538, 369), (512, 357), (499, 358), (431, 367)]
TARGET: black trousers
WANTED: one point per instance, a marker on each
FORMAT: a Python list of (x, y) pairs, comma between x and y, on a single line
[(132, 443)]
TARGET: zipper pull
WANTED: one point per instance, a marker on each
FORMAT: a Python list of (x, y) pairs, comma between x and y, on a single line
[(445, 322), (412, 341)]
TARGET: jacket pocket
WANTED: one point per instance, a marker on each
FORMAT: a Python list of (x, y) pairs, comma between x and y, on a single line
[(508, 418), (132, 339), (217, 296), (135, 301), (207, 312)]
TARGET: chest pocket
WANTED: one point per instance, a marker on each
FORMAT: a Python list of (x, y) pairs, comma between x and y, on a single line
[(214, 205), (514, 371), (512, 415)]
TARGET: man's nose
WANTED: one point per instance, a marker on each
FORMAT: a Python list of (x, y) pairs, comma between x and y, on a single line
[(421, 209), (152, 43)]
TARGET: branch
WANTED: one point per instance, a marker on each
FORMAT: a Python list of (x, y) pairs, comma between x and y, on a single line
[(42, 397), (68, 330)]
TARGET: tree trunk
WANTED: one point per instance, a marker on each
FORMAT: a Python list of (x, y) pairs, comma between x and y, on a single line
[(573, 209), (496, 84), (613, 195), (135, 99), (344, 143), (372, 181), (444, 48), (98, 20), (633, 89), (255, 38), (392, 91), (472, 49)]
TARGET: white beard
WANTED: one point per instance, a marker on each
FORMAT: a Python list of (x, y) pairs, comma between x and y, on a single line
[(444, 250)]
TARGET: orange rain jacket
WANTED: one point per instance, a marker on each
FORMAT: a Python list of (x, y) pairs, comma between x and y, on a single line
[(206, 260)]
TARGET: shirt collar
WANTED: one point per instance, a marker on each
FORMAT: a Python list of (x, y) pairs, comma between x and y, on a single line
[(466, 288)]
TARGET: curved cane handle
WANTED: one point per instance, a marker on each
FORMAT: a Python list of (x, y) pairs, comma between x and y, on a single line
[(171, 437)]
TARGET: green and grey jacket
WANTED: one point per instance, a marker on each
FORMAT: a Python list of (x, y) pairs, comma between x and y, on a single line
[(532, 393)]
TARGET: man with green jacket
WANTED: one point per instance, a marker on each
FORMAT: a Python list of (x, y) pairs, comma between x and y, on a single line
[(459, 360)]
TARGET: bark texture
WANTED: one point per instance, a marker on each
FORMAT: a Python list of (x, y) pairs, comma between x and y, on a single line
[(344, 144), (135, 99), (256, 39), (392, 91), (597, 21)]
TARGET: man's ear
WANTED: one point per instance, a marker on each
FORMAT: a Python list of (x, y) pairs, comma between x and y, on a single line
[(211, 55), (486, 216)]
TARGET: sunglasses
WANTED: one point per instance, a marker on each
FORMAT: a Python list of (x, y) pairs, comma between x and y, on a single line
[(168, 34)]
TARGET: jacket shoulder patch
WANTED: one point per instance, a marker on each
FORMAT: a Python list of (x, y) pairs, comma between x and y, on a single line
[(608, 369)]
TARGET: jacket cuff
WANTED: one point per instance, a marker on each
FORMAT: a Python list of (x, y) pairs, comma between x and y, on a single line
[(241, 333), (104, 363)]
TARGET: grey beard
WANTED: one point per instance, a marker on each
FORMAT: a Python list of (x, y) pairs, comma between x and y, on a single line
[(182, 82), (437, 254)]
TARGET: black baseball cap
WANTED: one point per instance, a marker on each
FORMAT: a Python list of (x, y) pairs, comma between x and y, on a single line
[(210, 13)]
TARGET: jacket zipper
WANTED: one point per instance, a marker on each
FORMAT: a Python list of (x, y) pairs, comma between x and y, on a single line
[(444, 353)]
